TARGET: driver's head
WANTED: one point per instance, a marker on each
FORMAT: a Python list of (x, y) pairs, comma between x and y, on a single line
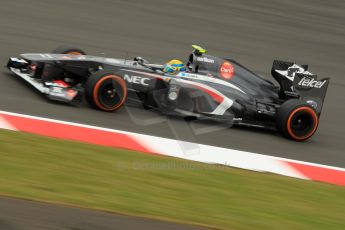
[(174, 67)]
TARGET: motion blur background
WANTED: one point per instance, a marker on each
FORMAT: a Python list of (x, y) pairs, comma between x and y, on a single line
[(250, 31), (253, 32)]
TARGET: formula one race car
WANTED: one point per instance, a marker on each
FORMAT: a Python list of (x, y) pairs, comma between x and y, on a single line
[(210, 88)]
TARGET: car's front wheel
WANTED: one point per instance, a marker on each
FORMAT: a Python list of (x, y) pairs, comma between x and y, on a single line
[(105, 91), (68, 50)]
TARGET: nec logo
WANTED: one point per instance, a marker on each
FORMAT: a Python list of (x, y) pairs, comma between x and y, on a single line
[(136, 80), (308, 82)]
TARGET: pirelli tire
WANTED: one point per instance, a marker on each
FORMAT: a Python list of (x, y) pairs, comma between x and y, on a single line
[(105, 91), (53, 72), (68, 50), (297, 120)]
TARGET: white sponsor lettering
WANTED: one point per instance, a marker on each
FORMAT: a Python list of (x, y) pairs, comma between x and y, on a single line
[(56, 92), (136, 79), (312, 83), (18, 60), (205, 59)]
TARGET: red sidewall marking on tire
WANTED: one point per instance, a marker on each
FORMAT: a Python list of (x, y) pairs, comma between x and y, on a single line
[(315, 118), (96, 88), (75, 53)]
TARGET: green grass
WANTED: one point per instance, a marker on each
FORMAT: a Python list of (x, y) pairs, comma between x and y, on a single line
[(121, 181)]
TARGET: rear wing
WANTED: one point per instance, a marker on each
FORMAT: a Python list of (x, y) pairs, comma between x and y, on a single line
[(296, 82), (311, 90)]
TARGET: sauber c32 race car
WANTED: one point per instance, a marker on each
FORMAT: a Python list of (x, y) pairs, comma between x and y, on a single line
[(212, 88)]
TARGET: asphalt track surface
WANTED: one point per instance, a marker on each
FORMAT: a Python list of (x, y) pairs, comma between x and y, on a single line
[(30, 215), (253, 32)]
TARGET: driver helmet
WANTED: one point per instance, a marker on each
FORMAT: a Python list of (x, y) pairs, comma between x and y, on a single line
[(174, 67)]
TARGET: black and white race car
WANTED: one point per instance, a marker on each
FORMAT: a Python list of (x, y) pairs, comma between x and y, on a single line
[(211, 88)]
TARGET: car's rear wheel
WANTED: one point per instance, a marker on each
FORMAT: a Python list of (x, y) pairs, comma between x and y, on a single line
[(68, 50), (297, 120), (105, 91)]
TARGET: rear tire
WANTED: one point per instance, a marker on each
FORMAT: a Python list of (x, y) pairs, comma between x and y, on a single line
[(105, 91), (297, 120), (68, 50)]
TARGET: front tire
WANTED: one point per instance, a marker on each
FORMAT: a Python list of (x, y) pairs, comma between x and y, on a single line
[(68, 50), (53, 72), (297, 120), (105, 91)]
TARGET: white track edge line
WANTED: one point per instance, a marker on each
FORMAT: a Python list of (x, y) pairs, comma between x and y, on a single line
[(138, 134)]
